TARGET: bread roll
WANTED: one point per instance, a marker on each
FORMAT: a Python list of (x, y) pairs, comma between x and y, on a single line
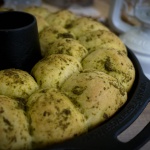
[(68, 46), (54, 69), (14, 127), (97, 95), (53, 118), (17, 84), (114, 63), (102, 39), (50, 34), (62, 18), (83, 25)]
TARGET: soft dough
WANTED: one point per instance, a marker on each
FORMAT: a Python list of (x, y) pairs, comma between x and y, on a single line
[(54, 69), (68, 46), (102, 39), (53, 118), (14, 127), (114, 63), (83, 25), (96, 94), (62, 18), (17, 84), (50, 34)]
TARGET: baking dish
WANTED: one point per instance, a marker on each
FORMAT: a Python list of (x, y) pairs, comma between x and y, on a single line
[(105, 135)]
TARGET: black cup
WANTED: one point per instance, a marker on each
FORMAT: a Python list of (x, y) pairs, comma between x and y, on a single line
[(19, 41)]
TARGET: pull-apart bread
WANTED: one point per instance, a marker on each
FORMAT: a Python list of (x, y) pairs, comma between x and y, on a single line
[(14, 125), (82, 80), (53, 117), (96, 95)]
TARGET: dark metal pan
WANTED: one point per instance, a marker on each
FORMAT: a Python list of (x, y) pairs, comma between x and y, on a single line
[(104, 136)]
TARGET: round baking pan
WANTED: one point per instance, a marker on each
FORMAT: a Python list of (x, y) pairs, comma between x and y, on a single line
[(104, 136)]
